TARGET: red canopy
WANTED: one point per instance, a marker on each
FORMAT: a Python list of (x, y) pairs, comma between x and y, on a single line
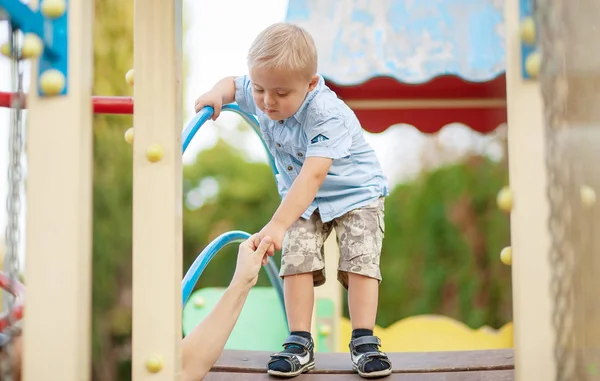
[(383, 101)]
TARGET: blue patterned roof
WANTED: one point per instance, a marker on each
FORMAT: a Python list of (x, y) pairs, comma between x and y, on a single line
[(410, 40)]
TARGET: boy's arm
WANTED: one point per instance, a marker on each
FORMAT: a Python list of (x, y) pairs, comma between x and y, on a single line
[(226, 89), (236, 89), (329, 139), (299, 197), (303, 191)]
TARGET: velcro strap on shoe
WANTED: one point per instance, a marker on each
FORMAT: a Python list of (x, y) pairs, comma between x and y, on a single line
[(373, 340), (299, 340), (291, 358), (367, 357)]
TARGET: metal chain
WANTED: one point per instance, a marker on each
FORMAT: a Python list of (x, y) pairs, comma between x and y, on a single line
[(567, 129), (13, 201)]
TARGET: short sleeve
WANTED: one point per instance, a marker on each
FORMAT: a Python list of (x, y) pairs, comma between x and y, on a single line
[(329, 138), (243, 94)]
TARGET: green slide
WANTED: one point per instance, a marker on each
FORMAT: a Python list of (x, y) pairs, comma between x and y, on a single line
[(260, 327)]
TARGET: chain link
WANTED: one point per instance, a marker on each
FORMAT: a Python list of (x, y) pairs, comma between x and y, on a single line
[(561, 256), (13, 200), (569, 81)]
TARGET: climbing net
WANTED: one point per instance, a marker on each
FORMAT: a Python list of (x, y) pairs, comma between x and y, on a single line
[(9, 281)]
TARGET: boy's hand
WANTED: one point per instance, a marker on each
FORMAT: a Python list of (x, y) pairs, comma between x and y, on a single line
[(211, 99), (274, 230)]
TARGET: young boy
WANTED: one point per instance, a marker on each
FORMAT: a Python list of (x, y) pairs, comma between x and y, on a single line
[(329, 177)]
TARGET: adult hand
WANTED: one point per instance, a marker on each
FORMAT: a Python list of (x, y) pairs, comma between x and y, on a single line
[(250, 259)]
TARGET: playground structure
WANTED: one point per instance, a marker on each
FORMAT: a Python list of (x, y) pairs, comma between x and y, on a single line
[(58, 225)]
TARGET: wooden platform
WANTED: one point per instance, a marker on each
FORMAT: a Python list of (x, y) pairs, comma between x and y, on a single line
[(488, 365)]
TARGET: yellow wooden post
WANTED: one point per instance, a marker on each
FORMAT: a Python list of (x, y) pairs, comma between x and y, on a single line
[(157, 198), (57, 323), (532, 302)]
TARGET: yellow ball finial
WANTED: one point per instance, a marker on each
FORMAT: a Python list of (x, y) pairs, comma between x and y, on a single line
[(325, 330), (154, 364), (129, 135), (154, 153), (6, 50), (32, 46), (588, 196), (504, 200), (528, 34), (53, 8), (533, 64), (199, 302), (506, 255), (52, 82), (129, 77)]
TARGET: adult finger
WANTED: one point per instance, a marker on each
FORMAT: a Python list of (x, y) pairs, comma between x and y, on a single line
[(271, 250), (249, 244), (264, 245)]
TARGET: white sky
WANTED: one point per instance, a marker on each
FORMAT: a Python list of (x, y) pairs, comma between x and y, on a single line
[(216, 46)]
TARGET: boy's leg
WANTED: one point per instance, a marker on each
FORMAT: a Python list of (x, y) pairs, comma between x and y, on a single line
[(363, 296), (299, 295), (302, 268), (360, 234)]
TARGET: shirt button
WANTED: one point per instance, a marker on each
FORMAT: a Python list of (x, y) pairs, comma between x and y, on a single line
[(289, 168), (300, 154), (278, 145), (281, 122)]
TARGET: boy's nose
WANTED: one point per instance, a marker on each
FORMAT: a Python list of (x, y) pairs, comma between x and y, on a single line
[(269, 101)]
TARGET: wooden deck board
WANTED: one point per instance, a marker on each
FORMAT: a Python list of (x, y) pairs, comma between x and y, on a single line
[(407, 362), (485, 375)]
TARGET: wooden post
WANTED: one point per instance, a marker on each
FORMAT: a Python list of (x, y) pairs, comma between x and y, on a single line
[(532, 301), (57, 323), (328, 302), (157, 191)]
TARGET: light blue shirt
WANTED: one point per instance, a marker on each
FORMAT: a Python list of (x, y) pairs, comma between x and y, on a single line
[(323, 126)]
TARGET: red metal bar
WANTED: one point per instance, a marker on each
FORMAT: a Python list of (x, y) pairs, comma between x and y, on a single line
[(101, 105)]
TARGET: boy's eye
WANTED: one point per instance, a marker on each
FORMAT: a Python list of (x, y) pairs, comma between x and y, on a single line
[(282, 94), (258, 90)]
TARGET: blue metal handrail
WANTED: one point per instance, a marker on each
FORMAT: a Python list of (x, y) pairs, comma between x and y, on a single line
[(206, 113), (202, 260)]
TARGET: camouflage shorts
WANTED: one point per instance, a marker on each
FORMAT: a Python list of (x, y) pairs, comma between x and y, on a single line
[(359, 234)]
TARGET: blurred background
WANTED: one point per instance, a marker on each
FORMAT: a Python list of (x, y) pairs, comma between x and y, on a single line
[(444, 231)]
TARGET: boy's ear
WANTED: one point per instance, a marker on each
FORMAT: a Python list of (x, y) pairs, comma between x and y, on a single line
[(313, 83)]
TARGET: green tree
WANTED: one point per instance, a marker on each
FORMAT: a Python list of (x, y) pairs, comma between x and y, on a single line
[(113, 56), (440, 255)]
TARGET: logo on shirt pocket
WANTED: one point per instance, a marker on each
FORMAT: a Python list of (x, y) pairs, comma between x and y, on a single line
[(319, 138)]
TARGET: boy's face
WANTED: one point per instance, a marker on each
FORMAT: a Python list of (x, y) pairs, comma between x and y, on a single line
[(280, 93)]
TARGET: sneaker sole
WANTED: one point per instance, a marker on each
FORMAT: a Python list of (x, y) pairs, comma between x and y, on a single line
[(378, 374), (304, 369)]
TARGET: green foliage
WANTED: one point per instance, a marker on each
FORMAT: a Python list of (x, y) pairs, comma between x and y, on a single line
[(246, 199), (440, 255)]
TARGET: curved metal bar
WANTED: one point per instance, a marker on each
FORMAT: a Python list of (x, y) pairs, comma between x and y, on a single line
[(204, 115), (203, 259)]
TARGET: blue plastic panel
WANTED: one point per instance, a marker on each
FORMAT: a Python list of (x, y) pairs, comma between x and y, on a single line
[(525, 11), (54, 34)]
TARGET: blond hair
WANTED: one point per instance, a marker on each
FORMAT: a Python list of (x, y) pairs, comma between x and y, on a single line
[(284, 46)]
